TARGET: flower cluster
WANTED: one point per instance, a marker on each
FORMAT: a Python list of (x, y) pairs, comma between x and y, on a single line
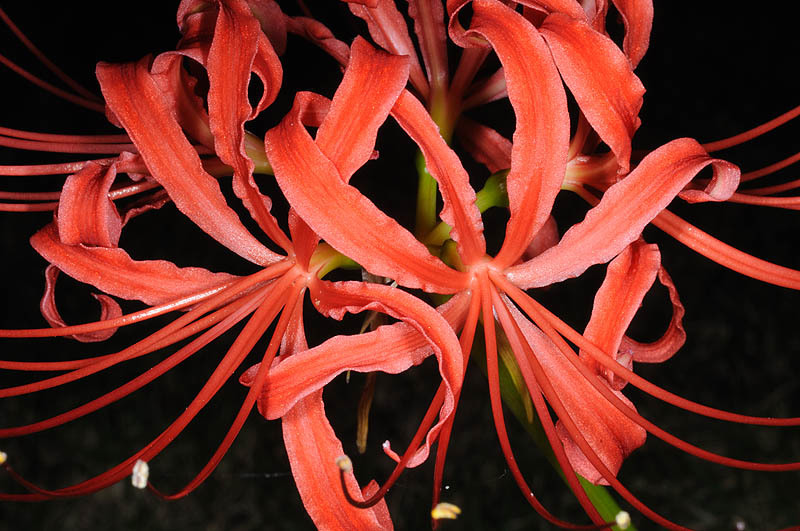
[(433, 291)]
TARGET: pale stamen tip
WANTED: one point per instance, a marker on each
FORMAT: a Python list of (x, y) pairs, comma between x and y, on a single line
[(3, 458), (623, 520), (344, 463), (140, 474), (445, 510)]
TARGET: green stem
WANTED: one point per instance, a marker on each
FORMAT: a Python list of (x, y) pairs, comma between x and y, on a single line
[(491, 195), (426, 198)]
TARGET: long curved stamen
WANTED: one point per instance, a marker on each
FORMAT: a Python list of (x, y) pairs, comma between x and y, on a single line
[(66, 139), (467, 338), (724, 254), (413, 446), (539, 313), (50, 169), (791, 203), (772, 168), (74, 85), (174, 331), (592, 378), (92, 105), (66, 147), (776, 189), (521, 348), (752, 133), (227, 317), (247, 406), (236, 354), (497, 408)]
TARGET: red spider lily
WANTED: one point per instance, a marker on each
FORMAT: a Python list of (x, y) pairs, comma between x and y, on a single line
[(621, 263), (597, 427)]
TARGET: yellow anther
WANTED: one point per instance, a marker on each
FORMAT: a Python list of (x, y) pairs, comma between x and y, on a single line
[(344, 463), (445, 510), (3, 458), (140, 474), (623, 520)]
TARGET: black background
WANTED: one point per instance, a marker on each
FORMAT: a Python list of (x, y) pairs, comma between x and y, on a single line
[(711, 71)]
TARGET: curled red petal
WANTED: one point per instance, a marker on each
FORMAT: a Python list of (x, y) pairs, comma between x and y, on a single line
[(312, 448), (321, 36), (541, 139), (600, 77), (112, 271), (134, 97), (237, 49), (673, 339), (622, 213), (273, 22), (109, 309), (85, 213), (628, 278)]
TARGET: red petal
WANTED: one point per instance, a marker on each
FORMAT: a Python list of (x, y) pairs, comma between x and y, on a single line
[(85, 213), (600, 77), (673, 339), (388, 29), (133, 95), (628, 278), (109, 309), (444, 165), (546, 238), (611, 434), (272, 20), (541, 140), (237, 49), (112, 271), (623, 212), (428, 18), (486, 145), (317, 33), (372, 82), (342, 216), (312, 447), (568, 7), (637, 15)]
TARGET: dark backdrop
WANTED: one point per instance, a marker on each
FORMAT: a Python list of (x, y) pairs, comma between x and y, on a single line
[(711, 71)]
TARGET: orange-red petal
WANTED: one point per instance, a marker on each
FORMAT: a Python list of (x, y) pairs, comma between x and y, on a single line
[(135, 98), (600, 77), (622, 213)]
